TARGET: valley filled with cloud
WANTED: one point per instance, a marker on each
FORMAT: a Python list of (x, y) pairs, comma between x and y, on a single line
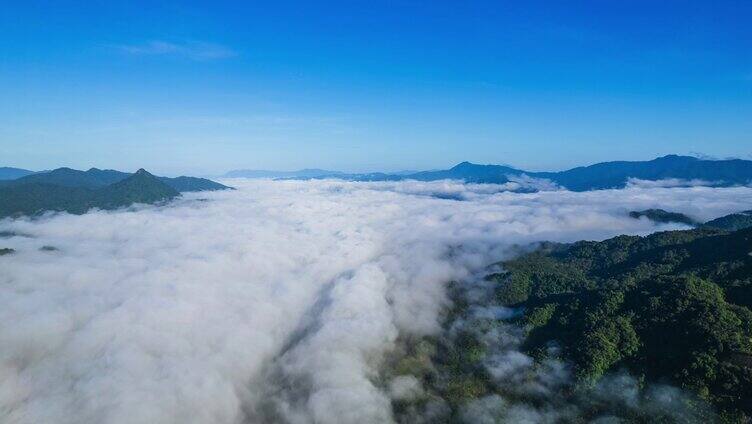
[(285, 301)]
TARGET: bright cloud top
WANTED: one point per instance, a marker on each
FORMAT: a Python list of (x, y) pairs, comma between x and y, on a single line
[(273, 302)]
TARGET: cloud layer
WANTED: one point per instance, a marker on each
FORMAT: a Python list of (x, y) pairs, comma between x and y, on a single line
[(275, 302)]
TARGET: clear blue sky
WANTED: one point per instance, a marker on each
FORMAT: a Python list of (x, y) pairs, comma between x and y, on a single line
[(355, 85)]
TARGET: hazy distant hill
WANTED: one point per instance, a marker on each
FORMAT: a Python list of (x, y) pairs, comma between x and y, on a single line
[(302, 173), (594, 177), (464, 171), (97, 178), (470, 172), (7, 173), (611, 174), (315, 173), (616, 174)]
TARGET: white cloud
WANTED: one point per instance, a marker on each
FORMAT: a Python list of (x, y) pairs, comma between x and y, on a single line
[(277, 301), (405, 387), (671, 182), (195, 50)]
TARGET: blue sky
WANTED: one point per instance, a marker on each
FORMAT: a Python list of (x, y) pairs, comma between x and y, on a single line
[(361, 85)]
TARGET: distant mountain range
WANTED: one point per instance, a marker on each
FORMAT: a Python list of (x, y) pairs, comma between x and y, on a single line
[(97, 178), (74, 191), (24, 192), (312, 174), (302, 173), (13, 173), (606, 175), (617, 174)]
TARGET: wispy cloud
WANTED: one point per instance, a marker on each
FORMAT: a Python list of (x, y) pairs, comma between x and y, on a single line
[(194, 50)]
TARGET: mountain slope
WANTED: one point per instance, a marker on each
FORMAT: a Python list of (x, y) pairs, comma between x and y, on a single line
[(67, 177), (469, 172), (141, 187), (616, 174), (663, 217), (672, 306), (605, 175), (7, 173), (187, 184), (466, 171), (733, 222), (97, 178), (33, 198)]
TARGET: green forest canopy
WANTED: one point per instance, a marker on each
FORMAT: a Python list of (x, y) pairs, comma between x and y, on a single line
[(673, 306)]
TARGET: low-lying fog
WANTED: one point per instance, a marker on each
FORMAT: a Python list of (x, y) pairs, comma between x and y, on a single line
[(274, 302)]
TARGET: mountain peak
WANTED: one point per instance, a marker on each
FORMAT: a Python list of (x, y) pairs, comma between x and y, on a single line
[(141, 187), (462, 165), (677, 158)]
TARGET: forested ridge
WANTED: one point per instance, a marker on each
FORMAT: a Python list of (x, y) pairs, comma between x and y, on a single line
[(77, 192), (671, 307)]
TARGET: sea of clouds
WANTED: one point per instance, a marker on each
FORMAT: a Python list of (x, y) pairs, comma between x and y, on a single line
[(276, 302)]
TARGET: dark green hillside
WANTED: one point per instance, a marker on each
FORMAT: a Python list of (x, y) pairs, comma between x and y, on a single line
[(183, 184), (35, 198), (672, 306), (663, 217), (141, 187), (67, 177), (97, 178), (733, 222)]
